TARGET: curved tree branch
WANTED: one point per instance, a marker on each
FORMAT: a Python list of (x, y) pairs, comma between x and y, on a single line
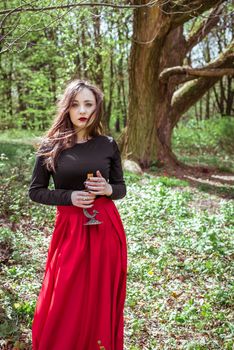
[(192, 91), (79, 4), (206, 26), (183, 11), (195, 72)]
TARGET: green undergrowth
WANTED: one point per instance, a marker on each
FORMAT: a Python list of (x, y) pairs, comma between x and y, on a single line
[(181, 261), (180, 286), (180, 265), (207, 142), (19, 136)]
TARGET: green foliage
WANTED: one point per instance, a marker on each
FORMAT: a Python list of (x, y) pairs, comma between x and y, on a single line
[(179, 267), (16, 163), (65, 45), (180, 258), (205, 142)]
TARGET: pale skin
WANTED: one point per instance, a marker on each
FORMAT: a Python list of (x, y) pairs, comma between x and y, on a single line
[(83, 106)]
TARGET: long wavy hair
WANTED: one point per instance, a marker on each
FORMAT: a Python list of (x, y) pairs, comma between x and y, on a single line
[(62, 133)]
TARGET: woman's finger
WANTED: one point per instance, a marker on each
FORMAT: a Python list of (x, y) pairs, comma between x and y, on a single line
[(96, 180), (84, 194), (86, 200), (88, 196), (98, 192), (97, 188)]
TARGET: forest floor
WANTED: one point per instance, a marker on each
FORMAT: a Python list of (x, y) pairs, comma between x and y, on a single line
[(206, 178), (180, 257)]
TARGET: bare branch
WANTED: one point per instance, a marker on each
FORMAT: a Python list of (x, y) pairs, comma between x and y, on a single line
[(191, 92), (195, 72), (180, 12), (59, 7), (9, 46), (32, 28), (9, 12), (205, 27), (216, 68), (185, 10), (14, 27)]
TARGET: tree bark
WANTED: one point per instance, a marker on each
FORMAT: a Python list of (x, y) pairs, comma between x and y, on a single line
[(145, 89), (154, 108)]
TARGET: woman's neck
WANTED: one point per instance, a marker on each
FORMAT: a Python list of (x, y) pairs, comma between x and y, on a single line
[(82, 137)]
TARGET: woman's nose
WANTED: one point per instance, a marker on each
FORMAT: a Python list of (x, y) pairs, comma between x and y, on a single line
[(82, 109)]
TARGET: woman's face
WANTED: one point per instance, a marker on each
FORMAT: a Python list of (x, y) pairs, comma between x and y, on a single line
[(83, 106)]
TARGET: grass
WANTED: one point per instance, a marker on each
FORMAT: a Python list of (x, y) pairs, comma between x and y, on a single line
[(180, 263), (19, 136), (180, 286), (207, 142)]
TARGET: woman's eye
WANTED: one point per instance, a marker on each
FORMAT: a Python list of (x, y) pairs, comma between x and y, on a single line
[(87, 104)]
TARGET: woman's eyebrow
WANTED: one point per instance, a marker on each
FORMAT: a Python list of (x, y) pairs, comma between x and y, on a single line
[(84, 101)]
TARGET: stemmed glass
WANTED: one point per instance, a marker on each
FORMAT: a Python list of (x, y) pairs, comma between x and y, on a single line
[(93, 220)]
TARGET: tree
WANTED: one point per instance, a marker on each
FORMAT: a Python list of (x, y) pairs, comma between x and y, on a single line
[(161, 88), (68, 41)]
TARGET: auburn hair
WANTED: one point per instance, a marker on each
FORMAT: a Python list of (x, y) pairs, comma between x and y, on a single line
[(62, 134)]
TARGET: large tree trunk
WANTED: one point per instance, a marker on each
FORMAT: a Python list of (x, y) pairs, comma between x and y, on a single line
[(150, 124), (145, 92), (154, 108)]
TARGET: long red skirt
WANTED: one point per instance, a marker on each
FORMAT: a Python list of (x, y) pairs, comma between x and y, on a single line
[(81, 302)]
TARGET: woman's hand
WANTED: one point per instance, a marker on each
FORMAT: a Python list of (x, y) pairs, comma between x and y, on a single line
[(98, 185), (82, 199)]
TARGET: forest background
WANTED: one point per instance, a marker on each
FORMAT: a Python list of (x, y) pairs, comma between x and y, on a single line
[(166, 69)]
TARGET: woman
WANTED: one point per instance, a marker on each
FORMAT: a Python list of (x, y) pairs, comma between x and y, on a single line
[(81, 302)]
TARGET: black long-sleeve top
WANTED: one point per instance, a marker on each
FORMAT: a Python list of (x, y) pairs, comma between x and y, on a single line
[(73, 164)]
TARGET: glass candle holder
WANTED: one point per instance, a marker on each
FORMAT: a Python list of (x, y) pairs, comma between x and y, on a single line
[(91, 217)]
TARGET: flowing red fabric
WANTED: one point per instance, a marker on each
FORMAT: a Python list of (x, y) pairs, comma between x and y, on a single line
[(81, 303)]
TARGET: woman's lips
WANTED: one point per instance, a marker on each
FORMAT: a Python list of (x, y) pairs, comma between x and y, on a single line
[(83, 119)]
